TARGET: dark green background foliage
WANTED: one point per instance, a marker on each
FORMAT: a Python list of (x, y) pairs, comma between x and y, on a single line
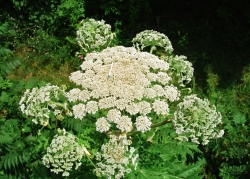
[(213, 34)]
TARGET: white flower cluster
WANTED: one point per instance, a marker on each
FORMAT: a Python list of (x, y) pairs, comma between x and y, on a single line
[(180, 70), (195, 119), (41, 103), (152, 38), (63, 153), (115, 158), (94, 35), (124, 83)]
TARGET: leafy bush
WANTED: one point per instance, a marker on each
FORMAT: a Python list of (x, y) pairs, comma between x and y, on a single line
[(228, 157), (7, 62), (57, 17)]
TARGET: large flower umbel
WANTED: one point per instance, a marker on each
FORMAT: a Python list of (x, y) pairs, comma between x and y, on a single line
[(128, 85), (63, 153), (44, 103), (196, 120), (153, 39), (116, 158), (94, 35)]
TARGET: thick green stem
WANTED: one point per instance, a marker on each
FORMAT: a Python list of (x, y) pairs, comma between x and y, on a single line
[(91, 161), (152, 49), (56, 103), (86, 152)]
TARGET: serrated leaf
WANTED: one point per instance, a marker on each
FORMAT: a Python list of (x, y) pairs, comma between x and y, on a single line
[(5, 139), (9, 162), (20, 158), (155, 174), (192, 168), (6, 164), (16, 161)]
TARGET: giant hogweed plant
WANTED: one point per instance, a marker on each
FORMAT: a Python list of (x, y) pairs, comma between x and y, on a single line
[(135, 103)]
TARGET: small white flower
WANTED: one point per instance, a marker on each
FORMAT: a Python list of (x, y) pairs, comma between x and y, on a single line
[(102, 125), (124, 124), (73, 94), (91, 107), (113, 115), (143, 123), (79, 111), (145, 107), (160, 107)]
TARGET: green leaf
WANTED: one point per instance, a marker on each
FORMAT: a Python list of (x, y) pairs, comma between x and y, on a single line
[(155, 174), (20, 159), (33, 82), (16, 160), (9, 162), (192, 168), (4, 97), (6, 164), (142, 174), (5, 139), (239, 118)]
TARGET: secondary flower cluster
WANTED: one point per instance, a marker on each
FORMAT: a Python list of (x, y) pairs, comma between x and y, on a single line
[(115, 158), (124, 83), (150, 38), (94, 35), (63, 153), (42, 103), (180, 70), (195, 119)]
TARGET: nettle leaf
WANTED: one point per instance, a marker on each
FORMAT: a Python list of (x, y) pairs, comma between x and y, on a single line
[(239, 118)]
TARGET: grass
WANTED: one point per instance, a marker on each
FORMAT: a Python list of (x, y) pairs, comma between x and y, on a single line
[(45, 70)]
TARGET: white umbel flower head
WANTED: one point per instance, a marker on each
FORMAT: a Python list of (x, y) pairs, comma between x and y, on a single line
[(41, 103), (143, 123), (181, 70), (150, 38), (79, 111), (94, 35), (115, 157), (63, 153), (102, 125), (125, 84), (197, 120)]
